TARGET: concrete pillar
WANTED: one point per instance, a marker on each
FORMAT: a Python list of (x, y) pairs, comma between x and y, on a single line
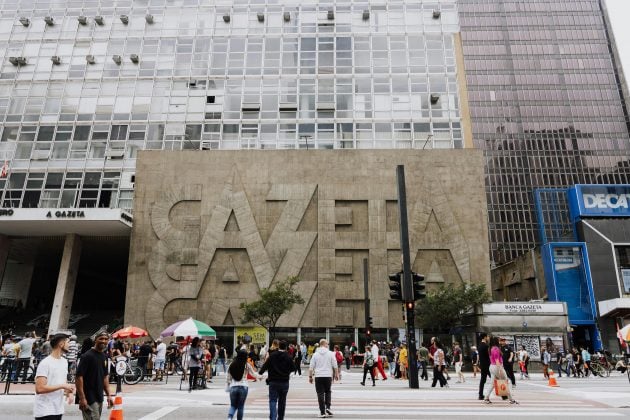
[(66, 281), (5, 244)]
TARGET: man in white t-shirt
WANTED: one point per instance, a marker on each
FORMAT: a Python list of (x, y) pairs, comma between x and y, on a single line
[(324, 367), (51, 381), (24, 356), (160, 359)]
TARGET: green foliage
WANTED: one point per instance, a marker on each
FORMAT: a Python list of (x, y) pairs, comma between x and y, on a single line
[(273, 303), (445, 308)]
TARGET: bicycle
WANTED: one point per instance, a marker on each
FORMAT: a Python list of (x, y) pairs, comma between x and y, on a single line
[(599, 368), (132, 375)]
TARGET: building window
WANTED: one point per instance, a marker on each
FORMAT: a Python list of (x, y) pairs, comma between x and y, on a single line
[(623, 262)]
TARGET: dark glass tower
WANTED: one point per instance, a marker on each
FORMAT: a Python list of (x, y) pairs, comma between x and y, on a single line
[(547, 106)]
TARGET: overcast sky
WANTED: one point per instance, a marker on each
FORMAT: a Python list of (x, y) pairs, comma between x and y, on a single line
[(619, 11)]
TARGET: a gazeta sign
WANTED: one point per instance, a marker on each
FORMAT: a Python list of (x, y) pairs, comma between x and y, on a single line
[(599, 201)]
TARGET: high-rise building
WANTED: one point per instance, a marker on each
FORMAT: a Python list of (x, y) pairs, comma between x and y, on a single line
[(547, 104), (85, 85)]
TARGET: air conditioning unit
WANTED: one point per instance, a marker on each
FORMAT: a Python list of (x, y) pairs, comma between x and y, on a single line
[(330, 15), (40, 154), (25, 21), (90, 59), (434, 98), (226, 18), (49, 20), (250, 106), (18, 61), (83, 20), (55, 59), (134, 58), (261, 17), (124, 19), (115, 153), (288, 106), (287, 16), (366, 15), (99, 20), (128, 180), (325, 106), (437, 14), (117, 59), (149, 18)]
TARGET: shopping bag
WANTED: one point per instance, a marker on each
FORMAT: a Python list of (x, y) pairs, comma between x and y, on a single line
[(501, 387)]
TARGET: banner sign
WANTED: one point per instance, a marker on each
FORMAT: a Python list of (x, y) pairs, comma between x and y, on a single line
[(599, 201)]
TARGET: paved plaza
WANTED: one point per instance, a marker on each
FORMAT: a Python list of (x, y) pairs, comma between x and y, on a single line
[(592, 398)]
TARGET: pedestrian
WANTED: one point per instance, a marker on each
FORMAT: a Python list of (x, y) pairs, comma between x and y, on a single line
[(423, 358), (484, 363), (403, 361), (586, 356), (523, 362), (474, 356), (545, 358), (458, 359), (339, 359), (280, 366), (570, 364), (376, 352), (560, 362), (143, 356), (160, 359), (368, 365), (579, 362), (497, 371), (221, 358), (347, 355), (297, 360), (51, 381), (391, 360), (236, 384), (93, 379), (439, 365), (508, 360), (194, 363), (324, 367), (71, 356), (9, 352), (24, 353)]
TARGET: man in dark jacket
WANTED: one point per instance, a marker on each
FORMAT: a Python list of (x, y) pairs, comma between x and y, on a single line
[(279, 367), (484, 362)]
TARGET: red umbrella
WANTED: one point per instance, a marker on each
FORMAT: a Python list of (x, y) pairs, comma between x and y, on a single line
[(130, 332)]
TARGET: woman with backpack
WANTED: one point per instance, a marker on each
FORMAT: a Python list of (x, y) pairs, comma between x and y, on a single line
[(368, 365), (236, 384)]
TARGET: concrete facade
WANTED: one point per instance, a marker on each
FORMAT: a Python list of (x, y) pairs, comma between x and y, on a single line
[(211, 229)]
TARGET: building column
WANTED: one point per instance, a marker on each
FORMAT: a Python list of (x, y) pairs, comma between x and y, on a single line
[(66, 281), (5, 244)]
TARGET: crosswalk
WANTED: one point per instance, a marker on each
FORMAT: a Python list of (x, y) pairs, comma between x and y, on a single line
[(379, 408)]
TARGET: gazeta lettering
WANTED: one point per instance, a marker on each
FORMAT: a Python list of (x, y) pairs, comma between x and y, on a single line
[(606, 201), (70, 214)]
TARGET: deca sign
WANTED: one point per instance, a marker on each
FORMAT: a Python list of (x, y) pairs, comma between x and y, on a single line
[(599, 201)]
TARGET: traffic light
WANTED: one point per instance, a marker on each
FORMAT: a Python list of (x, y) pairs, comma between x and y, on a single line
[(395, 285), (418, 286), (410, 305), (368, 332), (370, 322)]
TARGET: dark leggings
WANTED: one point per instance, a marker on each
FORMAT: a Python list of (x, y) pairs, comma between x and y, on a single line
[(192, 378), (367, 369)]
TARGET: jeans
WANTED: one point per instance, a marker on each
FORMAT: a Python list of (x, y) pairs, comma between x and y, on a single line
[(192, 378), (238, 395), (324, 394), (278, 391), (22, 367), (424, 375), (392, 367), (485, 373), (220, 362)]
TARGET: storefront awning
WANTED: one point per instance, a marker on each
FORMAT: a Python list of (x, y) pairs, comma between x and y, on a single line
[(612, 308), (59, 222)]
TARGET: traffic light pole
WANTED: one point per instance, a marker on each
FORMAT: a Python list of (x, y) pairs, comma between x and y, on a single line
[(366, 293), (407, 286)]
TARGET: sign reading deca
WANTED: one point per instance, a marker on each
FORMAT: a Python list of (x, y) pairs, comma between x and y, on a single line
[(599, 201)]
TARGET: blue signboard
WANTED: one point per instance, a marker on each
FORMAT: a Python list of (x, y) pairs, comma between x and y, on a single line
[(599, 201)]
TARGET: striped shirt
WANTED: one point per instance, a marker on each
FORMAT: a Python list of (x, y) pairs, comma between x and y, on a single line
[(73, 350)]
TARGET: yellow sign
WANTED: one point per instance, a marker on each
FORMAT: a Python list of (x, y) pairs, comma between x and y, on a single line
[(251, 335)]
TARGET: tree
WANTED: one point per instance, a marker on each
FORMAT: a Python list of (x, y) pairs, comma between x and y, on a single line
[(446, 307), (272, 304)]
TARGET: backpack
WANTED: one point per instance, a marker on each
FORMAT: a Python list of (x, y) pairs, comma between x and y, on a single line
[(339, 357), (369, 360)]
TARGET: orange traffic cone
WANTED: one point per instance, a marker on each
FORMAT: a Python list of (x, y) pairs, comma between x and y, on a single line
[(552, 379), (117, 410)]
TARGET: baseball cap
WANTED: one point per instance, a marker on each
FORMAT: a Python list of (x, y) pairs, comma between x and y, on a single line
[(56, 338), (101, 333)]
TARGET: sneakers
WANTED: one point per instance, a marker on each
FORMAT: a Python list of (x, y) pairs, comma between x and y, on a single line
[(363, 383), (487, 401), (514, 402), (323, 416), (330, 413)]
